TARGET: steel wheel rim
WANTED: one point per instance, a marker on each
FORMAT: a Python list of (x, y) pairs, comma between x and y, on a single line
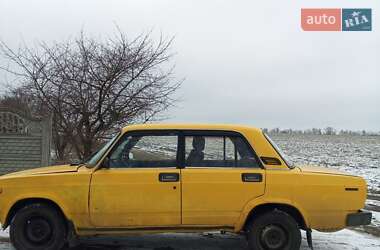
[(273, 237), (38, 230)]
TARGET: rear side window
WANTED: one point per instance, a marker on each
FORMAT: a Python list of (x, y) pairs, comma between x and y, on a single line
[(218, 151)]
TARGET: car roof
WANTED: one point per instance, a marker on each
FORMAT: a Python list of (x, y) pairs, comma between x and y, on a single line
[(190, 126)]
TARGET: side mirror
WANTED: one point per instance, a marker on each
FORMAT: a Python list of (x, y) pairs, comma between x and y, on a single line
[(106, 163), (75, 162)]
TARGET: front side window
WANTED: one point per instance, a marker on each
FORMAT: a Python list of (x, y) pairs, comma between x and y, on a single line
[(93, 160), (145, 151), (218, 151)]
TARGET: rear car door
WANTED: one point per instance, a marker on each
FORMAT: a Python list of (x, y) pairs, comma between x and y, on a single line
[(141, 187), (222, 173)]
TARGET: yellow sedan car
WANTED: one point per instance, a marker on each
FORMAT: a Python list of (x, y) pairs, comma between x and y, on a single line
[(181, 178)]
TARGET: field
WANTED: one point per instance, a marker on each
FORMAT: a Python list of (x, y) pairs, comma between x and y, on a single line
[(359, 155)]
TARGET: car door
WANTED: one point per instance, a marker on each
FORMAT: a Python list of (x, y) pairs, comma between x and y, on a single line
[(222, 174), (141, 187)]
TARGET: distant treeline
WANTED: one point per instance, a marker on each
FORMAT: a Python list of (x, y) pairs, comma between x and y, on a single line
[(319, 131)]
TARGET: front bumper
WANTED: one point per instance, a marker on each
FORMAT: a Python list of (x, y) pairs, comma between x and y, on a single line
[(359, 218)]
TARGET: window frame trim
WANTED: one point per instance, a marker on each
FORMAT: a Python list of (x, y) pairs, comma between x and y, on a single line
[(181, 150)]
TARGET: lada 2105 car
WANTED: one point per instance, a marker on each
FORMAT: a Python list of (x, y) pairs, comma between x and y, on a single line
[(181, 178)]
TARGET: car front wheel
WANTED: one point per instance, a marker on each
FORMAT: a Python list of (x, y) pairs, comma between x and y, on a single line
[(274, 231), (38, 226)]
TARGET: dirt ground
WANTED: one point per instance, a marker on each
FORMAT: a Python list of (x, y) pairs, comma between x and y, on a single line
[(343, 240)]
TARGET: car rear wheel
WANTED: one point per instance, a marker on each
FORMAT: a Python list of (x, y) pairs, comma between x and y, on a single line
[(36, 227), (274, 231)]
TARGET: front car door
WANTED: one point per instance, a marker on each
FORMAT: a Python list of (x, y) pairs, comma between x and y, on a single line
[(141, 187), (222, 173)]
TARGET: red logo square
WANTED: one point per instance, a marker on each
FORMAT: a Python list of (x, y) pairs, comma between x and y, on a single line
[(321, 19)]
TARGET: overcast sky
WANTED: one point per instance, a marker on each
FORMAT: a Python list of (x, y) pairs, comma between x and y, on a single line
[(244, 62)]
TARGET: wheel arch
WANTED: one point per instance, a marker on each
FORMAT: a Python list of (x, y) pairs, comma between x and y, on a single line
[(26, 201), (294, 212)]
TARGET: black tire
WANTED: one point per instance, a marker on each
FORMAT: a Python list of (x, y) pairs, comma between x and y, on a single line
[(274, 231), (38, 227)]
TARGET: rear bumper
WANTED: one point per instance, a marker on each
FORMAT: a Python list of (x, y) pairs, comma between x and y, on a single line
[(359, 218)]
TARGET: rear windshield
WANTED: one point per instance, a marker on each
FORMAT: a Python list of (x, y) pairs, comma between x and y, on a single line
[(280, 152)]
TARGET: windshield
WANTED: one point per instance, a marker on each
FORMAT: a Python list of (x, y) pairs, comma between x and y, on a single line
[(280, 152), (98, 155)]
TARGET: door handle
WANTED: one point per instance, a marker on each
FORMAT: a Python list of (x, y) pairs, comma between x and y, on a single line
[(168, 177), (252, 177)]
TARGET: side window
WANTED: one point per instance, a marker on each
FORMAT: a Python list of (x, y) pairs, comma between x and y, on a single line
[(218, 151), (145, 152)]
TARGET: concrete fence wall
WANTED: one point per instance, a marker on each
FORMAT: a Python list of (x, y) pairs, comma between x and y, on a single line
[(24, 141)]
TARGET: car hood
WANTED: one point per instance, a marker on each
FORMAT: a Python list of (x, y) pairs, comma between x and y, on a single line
[(44, 170), (321, 170)]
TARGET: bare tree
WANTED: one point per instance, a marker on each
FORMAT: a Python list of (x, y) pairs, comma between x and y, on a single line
[(92, 86), (330, 131)]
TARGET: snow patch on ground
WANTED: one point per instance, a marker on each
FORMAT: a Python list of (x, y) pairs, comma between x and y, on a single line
[(4, 233), (376, 219), (344, 240), (374, 203)]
